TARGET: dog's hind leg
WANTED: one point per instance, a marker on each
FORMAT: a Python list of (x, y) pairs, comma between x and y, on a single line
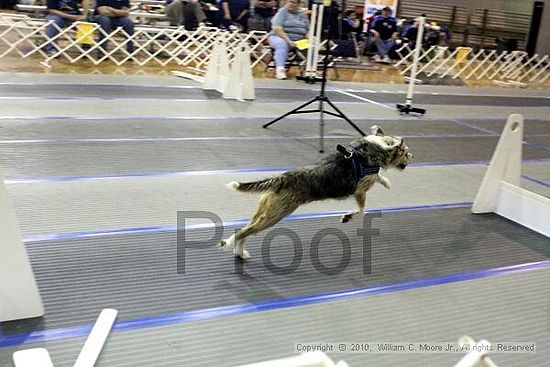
[(273, 207), (360, 197)]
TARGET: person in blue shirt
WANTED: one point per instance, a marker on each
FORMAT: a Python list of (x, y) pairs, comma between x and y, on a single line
[(350, 24), (114, 13), (63, 13), (237, 11), (384, 30)]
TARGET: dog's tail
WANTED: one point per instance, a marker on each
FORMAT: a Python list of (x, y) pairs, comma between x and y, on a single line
[(256, 186)]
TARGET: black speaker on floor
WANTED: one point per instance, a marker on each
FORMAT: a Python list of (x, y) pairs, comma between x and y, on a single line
[(538, 8)]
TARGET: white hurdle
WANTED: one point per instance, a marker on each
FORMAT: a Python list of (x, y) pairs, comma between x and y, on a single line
[(500, 192), (477, 355), (88, 356), (313, 359), (19, 296)]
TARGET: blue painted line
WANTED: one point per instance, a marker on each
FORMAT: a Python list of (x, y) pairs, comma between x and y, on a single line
[(134, 86), (103, 85), (230, 171), (185, 118), (231, 138), (151, 99), (145, 175), (226, 138), (538, 182), (536, 146), (226, 224), (267, 305), (472, 126)]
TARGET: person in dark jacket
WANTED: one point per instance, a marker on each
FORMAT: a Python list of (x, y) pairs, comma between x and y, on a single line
[(384, 31)]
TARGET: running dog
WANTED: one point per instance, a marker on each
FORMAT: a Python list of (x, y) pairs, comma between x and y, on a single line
[(352, 170)]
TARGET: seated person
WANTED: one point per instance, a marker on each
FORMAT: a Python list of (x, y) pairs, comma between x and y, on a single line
[(384, 30), (236, 11), (264, 10), (185, 12), (114, 13), (63, 13), (350, 24), (290, 24), (214, 11)]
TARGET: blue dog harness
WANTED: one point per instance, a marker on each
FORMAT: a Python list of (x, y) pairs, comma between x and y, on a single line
[(359, 169)]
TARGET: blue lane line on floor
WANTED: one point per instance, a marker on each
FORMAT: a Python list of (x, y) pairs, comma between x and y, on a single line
[(487, 131), (536, 146), (229, 171), (475, 127), (193, 118), (230, 138), (227, 224), (267, 305), (538, 182), (138, 86)]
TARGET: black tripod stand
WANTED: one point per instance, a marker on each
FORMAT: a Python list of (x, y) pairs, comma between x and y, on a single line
[(322, 98)]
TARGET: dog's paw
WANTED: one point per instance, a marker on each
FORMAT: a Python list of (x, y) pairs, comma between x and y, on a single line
[(233, 185), (227, 244), (385, 182), (222, 245), (346, 218), (245, 255)]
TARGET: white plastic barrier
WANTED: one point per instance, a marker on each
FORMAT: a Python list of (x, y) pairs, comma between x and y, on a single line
[(234, 81), (514, 68), (24, 36), (19, 296), (500, 192), (477, 357), (313, 359), (88, 356)]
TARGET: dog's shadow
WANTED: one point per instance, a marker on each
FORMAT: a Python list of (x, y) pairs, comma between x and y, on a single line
[(248, 288)]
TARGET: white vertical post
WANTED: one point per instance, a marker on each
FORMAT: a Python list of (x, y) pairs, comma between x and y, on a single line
[(505, 166), (312, 45), (417, 48), (318, 36), (19, 295)]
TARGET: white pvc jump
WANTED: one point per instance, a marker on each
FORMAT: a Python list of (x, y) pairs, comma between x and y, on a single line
[(19, 296), (313, 359), (500, 192), (88, 356), (478, 355), (514, 68)]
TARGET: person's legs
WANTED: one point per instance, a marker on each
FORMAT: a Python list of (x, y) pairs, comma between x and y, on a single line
[(267, 23), (52, 30), (281, 49), (174, 13), (195, 10), (106, 25), (128, 27), (281, 52), (244, 22), (383, 46), (214, 17)]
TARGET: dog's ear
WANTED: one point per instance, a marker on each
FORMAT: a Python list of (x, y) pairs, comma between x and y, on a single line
[(376, 130)]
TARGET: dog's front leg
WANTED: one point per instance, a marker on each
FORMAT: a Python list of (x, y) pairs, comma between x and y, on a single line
[(384, 181), (360, 197)]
